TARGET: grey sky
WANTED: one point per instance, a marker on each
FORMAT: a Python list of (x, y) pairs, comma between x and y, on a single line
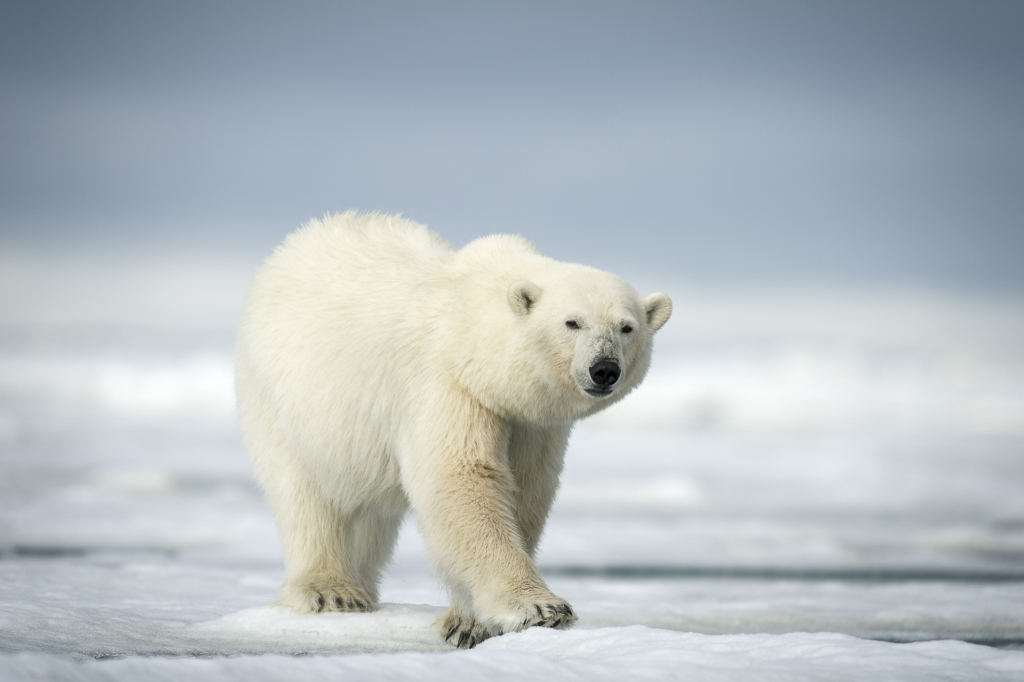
[(795, 142)]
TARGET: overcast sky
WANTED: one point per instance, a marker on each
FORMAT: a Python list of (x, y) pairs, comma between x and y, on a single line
[(722, 142)]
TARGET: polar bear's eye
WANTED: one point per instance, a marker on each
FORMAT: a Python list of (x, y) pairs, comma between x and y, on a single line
[(627, 329), (572, 324)]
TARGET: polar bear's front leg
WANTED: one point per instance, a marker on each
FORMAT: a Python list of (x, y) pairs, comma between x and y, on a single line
[(460, 486), (536, 455)]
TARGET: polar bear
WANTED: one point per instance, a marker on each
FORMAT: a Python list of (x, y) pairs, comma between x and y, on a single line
[(378, 368)]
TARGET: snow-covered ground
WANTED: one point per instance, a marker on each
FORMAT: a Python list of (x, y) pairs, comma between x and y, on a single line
[(807, 487)]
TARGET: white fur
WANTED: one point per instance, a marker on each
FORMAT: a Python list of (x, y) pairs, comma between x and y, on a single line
[(379, 368)]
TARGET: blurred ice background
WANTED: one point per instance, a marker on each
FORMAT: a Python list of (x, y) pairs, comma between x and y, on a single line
[(831, 437)]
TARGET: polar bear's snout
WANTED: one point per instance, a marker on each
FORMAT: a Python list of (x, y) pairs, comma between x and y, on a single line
[(605, 373), (601, 378)]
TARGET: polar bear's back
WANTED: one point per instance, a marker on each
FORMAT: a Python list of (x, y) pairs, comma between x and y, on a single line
[(344, 276), (328, 321), (350, 249)]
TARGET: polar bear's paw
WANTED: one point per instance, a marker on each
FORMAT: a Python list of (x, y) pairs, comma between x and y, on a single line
[(550, 613), (322, 595), (461, 631), (546, 611)]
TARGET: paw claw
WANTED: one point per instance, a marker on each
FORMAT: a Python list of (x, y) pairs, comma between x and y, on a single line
[(461, 631), (558, 615)]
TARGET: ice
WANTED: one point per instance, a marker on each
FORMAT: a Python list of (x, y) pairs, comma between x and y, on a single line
[(804, 488), (634, 652)]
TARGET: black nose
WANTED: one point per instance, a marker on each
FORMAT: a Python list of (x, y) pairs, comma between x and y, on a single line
[(605, 372)]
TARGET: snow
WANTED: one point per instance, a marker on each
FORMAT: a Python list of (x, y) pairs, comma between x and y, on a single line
[(803, 489)]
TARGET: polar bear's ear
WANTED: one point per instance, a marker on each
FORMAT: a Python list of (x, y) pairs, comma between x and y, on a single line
[(658, 308), (522, 294)]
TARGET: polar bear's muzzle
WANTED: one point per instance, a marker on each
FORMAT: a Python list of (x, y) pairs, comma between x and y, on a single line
[(605, 375)]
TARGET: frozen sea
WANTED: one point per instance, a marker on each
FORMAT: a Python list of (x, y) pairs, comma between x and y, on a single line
[(809, 485)]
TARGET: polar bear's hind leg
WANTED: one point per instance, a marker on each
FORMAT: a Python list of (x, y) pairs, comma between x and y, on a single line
[(318, 545)]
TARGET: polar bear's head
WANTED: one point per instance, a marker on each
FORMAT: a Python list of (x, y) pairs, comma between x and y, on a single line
[(589, 335)]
